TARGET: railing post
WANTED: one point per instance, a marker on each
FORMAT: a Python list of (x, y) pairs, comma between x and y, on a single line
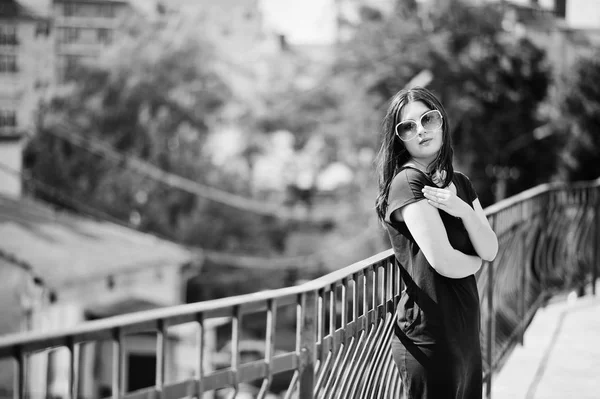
[(490, 328), (596, 260), (119, 376), (491, 325), (524, 271), (307, 344), (20, 377), (547, 206), (523, 297)]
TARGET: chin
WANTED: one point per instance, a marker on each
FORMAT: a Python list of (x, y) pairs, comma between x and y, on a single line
[(429, 152)]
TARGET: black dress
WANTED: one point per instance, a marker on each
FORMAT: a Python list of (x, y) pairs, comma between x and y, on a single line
[(436, 344)]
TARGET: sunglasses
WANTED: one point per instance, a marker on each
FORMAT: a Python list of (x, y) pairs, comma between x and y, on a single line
[(430, 120)]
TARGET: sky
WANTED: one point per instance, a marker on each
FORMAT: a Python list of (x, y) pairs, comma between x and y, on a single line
[(312, 21), (302, 21)]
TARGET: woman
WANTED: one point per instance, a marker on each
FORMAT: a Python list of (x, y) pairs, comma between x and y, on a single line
[(440, 236)]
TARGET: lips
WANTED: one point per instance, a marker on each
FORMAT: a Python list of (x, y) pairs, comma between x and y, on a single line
[(425, 141)]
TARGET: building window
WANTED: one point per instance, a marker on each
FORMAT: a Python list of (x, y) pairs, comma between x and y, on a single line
[(72, 61), (70, 9), (42, 29), (8, 118), (70, 35), (104, 35), (8, 63), (107, 10), (68, 67), (8, 35)]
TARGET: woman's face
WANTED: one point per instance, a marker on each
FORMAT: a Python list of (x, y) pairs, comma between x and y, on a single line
[(426, 144)]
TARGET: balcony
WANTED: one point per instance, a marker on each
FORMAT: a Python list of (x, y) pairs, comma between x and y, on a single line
[(86, 22), (548, 240)]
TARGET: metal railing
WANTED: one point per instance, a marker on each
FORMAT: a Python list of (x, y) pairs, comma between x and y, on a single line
[(549, 242)]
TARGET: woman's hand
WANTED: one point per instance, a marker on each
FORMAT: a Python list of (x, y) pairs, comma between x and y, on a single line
[(446, 200)]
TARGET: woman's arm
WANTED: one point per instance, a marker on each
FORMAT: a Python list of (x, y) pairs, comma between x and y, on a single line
[(428, 230), (482, 236)]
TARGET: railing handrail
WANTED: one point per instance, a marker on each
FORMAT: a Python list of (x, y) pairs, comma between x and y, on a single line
[(534, 192), (130, 319), (323, 329), (120, 321)]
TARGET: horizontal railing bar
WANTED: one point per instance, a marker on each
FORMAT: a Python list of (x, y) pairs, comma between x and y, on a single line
[(362, 323), (536, 191), (374, 278), (144, 393), (338, 275), (324, 346), (179, 389), (341, 336), (252, 371), (218, 379), (247, 372), (371, 315), (258, 369), (147, 320), (284, 362)]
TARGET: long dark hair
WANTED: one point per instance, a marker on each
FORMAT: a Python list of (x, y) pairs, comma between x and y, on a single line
[(393, 154)]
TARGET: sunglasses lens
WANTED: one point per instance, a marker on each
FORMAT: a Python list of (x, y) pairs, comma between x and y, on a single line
[(432, 120), (406, 130)]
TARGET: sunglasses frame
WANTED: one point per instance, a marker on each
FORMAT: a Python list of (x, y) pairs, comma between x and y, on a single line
[(418, 123)]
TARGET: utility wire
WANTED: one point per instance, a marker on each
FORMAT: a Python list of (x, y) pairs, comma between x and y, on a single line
[(145, 168), (242, 261)]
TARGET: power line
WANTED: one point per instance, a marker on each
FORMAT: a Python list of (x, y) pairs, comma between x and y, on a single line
[(219, 257), (145, 168)]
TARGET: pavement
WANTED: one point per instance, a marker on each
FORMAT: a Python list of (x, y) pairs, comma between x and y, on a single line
[(560, 357)]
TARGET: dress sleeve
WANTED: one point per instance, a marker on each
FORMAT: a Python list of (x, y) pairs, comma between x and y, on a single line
[(405, 189)]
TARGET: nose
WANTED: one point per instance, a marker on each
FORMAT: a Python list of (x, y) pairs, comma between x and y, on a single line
[(420, 129)]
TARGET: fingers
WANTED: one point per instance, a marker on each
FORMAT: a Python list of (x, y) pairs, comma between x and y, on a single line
[(436, 195), (435, 201), (434, 190)]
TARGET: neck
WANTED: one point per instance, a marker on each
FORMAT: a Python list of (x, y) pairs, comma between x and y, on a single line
[(422, 164)]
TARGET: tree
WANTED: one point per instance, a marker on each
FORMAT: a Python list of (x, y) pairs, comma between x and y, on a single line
[(155, 96), (575, 120), (490, 81)]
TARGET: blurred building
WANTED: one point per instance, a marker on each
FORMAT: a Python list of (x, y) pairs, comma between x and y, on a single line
[(40, 40), (58, 269), (566, 29), (83, 29), (25, 66)]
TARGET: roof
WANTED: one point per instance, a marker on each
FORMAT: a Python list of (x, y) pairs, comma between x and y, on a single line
[(14, 10), (61, 247)]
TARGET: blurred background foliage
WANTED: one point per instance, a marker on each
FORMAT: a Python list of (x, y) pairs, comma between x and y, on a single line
[(514, 125), (574, 117)]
